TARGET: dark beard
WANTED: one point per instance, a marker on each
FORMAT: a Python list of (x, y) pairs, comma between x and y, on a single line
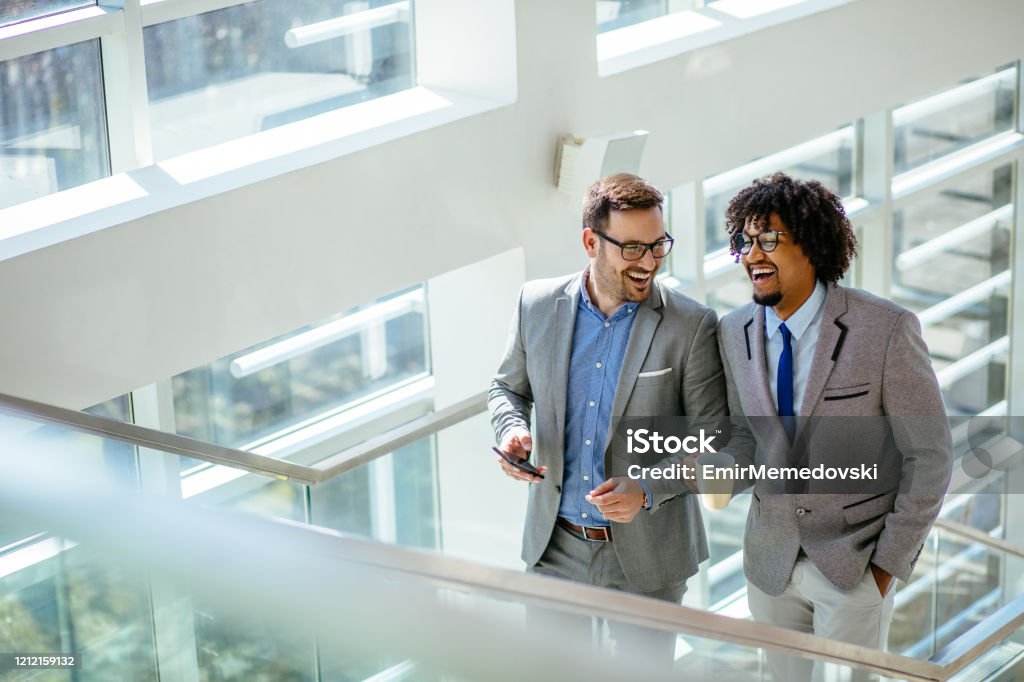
[(771, 300)]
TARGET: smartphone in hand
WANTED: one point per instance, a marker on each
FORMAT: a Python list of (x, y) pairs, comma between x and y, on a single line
[(521, 464)]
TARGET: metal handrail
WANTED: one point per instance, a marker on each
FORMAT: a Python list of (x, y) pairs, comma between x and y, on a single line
[(241, 459), (979, 536), (157, 440), (400, 436)]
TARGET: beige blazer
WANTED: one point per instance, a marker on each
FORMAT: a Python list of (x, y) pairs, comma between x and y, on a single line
[(871, 398)]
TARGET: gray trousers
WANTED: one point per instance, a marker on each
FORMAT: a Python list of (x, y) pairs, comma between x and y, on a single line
[(812, 604), (595, 563)]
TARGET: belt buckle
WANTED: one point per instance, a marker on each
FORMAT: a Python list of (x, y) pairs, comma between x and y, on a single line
[(604, 529)]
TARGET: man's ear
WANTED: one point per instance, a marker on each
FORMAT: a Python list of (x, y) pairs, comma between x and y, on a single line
[(590, 240)]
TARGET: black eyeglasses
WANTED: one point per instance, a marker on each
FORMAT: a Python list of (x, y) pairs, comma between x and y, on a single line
[(636, 250), (766, 241)]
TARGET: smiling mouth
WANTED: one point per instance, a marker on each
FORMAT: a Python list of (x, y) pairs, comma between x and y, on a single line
[(639, 278), (759, 274)]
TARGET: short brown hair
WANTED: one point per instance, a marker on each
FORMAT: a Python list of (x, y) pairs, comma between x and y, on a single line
[(619, 192)]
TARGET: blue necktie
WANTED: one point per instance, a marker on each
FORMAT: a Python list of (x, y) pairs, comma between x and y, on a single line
[(784, 382)]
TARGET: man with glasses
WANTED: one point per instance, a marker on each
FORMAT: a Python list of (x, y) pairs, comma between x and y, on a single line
[(821, 375), (585, 350)]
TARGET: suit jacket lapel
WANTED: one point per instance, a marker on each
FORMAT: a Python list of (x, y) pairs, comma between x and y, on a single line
[(565, 323), (830, 339), (772, 437), (757, 368)]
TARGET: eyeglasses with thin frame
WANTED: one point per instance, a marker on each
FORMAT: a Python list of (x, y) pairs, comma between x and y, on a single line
[(636, 250), (766, 241)]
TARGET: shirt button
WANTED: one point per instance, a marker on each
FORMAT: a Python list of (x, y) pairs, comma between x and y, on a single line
[(800, 512), (592, 403), (584, 514), (598, 365), (586, 478), (586, 442), (607, 324)]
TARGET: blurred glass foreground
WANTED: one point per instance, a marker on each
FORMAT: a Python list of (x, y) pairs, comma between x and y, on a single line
[(108, 555)]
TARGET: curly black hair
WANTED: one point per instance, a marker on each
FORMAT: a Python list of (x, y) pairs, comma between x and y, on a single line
[(813, 216)]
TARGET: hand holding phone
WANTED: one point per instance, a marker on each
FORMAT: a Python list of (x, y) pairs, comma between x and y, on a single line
[(519, 464)]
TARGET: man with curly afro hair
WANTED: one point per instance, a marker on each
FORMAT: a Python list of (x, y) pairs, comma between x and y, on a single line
[(821, 376)]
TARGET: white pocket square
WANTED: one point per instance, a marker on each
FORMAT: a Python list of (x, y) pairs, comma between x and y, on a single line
[(655, 373)]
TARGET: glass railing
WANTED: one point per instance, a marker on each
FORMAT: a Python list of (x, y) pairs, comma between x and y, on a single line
[(96, 545)]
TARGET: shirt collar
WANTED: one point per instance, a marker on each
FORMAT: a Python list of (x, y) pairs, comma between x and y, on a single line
[(626, 309), (799, 321)]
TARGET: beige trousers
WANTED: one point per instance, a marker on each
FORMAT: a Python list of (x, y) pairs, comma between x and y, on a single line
[(812, 604)]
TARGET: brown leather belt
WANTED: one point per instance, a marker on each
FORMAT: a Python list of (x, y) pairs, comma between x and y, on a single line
[(595, 533)]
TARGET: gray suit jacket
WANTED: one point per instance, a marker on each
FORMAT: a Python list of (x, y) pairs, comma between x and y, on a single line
[(661, 546), (871, 397)]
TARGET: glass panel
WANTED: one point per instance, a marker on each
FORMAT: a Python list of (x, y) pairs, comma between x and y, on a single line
[(113, 458), (417, 513), (968, 584), (13, 11), (830, 160), (725, 528), (281, 499), (948, 243), (613, 14), (392, 499), (116, 408), (913, 622), (343, 503), (229, 648), (649, 654), (222, 486), (305, 374), (236, 71), (58, 596), (73, 603), (941, 124), (427, 494), (109, 613), (52, 122)]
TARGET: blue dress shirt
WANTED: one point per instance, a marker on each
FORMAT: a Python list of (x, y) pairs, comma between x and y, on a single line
[(598, 347)]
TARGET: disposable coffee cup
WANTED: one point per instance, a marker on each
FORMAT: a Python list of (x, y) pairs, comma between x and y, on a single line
[(715, 491)]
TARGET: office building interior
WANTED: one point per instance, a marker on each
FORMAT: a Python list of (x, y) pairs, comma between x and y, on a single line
[(259, 260)]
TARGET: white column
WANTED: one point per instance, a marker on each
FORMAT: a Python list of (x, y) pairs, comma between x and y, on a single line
[(875, 261), (482, 512), (124, 85), (686, 225)]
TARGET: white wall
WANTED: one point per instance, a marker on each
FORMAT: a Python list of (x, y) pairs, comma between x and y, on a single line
[(105, 313), (482, 511)]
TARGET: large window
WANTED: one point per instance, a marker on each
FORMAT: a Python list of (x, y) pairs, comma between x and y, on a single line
[(304, 375), (12, 11), (613, 14), (210, 78), (953, 119), (53, 133), (952, 267), (239, 70)]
